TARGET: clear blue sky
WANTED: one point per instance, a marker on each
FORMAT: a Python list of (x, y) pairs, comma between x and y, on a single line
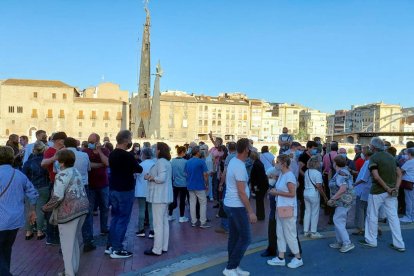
[(324, 54)]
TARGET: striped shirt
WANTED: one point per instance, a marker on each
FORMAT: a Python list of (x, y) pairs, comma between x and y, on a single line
[(12, 201)]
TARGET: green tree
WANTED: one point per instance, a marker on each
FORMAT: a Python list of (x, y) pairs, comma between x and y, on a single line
[(273, 149), (301, 135)]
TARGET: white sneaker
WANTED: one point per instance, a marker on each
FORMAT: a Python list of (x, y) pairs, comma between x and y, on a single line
[(242, 272), (171, 218), (230, 272), (306, 234), (122, 254), (335, 245), (295, 263), (108, 250), (183, 219), (346, 248), (405, 219), (276, 261), (316, 235)]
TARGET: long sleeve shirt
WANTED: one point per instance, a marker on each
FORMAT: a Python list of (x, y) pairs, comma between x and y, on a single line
[(12, 201)]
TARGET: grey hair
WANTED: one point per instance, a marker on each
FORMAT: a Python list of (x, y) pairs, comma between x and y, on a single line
[(377, 143), (154, 146), (146, 153), (123, 136), (313, 163)]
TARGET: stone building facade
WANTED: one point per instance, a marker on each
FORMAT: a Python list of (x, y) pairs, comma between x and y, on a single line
[(314, 123), (29, 105)]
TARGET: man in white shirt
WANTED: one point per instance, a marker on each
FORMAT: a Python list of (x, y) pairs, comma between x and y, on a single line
[(238, 209)]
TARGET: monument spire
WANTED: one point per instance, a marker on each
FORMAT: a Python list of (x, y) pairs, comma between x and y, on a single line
[(154, 125), (144, 86)]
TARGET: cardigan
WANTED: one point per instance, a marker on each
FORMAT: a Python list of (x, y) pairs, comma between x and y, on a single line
[(160, 189)]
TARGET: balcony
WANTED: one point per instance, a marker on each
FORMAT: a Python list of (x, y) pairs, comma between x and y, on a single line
[(80, 117)]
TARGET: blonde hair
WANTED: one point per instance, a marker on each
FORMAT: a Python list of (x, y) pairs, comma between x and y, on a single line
[(285, 159)]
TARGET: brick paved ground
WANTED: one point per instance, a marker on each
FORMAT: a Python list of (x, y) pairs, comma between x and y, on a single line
[(35, 258)]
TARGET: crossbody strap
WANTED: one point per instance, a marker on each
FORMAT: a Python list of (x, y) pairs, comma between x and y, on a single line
[(312, 181), (319, 191), (330, 160), (8, 185)]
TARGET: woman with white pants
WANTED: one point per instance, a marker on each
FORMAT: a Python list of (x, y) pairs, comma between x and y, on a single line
[(408, 176), (339, 185), (286, 214), (313, 184), (160, 195)]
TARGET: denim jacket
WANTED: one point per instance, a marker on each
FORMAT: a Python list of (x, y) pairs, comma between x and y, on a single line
[(34, 171)]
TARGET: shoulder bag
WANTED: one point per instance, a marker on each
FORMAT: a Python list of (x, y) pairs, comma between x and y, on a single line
[(285, 211), (406, 185), (53, 204), (332, 170), (321, 192), (348, 197), (8, 185)]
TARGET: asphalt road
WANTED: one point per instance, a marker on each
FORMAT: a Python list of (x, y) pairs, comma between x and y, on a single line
[(319, 259)]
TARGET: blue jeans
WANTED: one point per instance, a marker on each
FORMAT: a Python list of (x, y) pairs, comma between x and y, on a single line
[(122, 203), (224, 221), (239, 235), (101, 197), (141, 213), (52, 231)]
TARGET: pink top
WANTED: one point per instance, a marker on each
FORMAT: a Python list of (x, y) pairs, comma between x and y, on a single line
[(216, 154), (327, 162)]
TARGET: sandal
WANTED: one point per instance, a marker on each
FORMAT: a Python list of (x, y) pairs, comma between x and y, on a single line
[(29, 237), (41, 237), (358, 233)]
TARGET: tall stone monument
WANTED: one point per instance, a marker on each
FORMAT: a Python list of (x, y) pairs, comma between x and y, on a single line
[(154, 125), (143, 111)]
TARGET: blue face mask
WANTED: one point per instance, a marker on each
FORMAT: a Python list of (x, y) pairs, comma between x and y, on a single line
[(91, 146), (343, 154), (298, 153), (314, 152)]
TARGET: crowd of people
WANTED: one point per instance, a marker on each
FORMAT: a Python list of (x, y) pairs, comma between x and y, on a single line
[(53, 187)]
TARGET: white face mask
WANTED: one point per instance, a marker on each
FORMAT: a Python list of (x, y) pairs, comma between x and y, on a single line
[(362, 156), (272, 182)]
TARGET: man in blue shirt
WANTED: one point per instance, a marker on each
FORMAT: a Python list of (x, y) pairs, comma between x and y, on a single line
[(197, 185)]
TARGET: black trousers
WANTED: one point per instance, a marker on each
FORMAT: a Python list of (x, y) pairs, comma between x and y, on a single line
[(401, 201), (299, 193), (182, 192), (271, 228), (7, 238), (260, 208)]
